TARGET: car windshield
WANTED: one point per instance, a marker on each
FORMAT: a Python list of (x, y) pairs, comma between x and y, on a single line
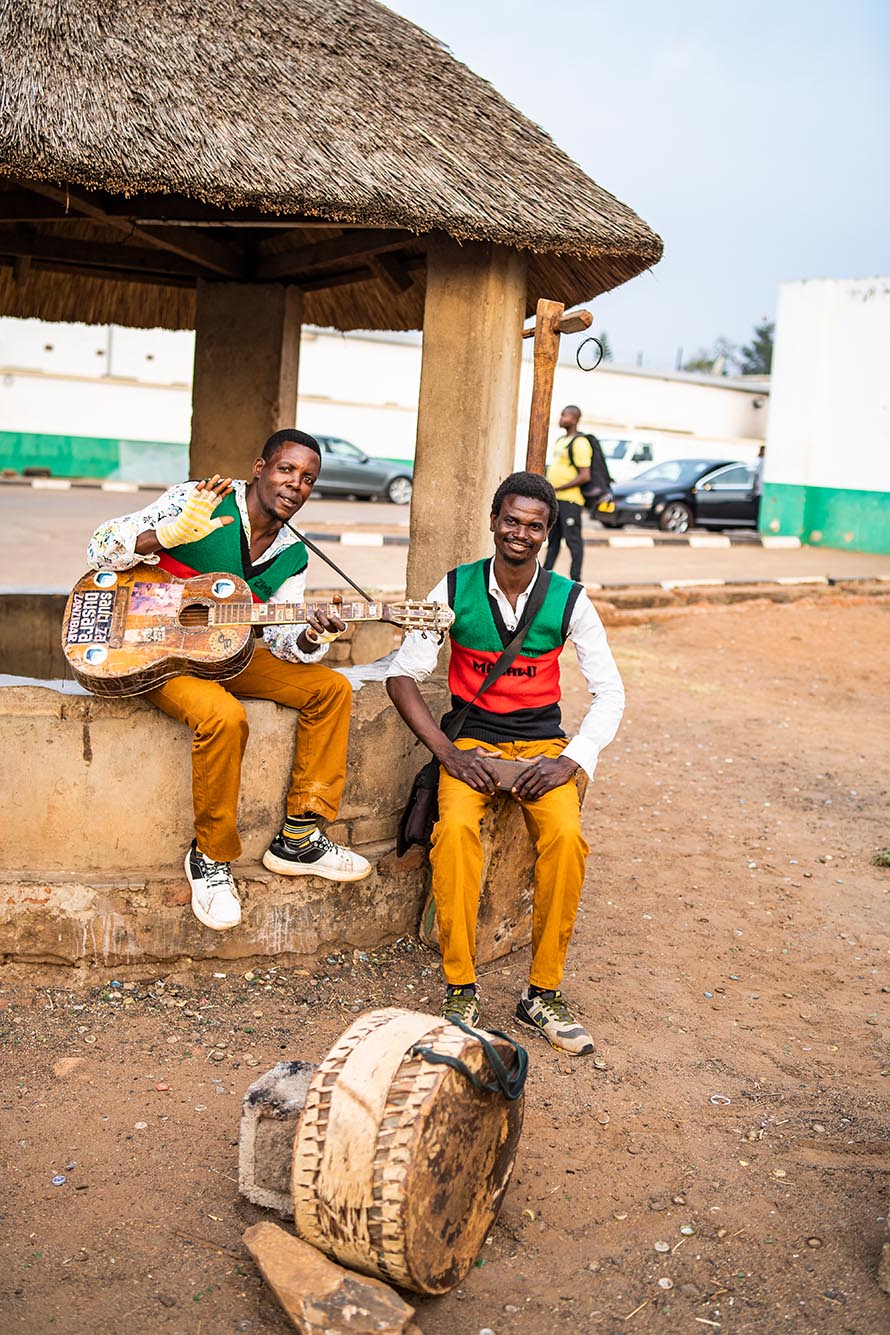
[(680, 472)]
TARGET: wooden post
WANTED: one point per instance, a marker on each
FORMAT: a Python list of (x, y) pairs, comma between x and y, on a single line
[(247, 348), (550, 323)]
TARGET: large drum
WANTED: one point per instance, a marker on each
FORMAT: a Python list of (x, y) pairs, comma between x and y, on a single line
[(400, 1164)]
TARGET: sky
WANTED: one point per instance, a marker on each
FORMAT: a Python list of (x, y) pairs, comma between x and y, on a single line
[(754, 138)]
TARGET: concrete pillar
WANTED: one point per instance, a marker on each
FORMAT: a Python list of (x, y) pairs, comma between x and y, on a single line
[(247, 349), (469, 388)]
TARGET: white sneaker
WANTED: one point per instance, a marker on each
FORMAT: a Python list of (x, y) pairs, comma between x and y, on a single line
[(214, 902), (316, 856)]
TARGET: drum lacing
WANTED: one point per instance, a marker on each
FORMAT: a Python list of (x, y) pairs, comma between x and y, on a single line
[(509, 1083)]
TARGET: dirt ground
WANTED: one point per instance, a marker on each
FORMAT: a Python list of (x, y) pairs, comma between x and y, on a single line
[(730, 956)]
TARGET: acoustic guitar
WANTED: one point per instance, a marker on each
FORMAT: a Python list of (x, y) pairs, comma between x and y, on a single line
[(126, 631)]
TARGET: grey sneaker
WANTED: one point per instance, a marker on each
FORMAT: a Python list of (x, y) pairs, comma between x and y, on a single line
[(214, 901), (549, 1013), (461, 1003)]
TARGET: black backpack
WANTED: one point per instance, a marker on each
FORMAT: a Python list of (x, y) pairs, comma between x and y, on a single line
[(599, 482)]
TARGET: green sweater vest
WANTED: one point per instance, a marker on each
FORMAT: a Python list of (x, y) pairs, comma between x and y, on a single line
[(221, 550)]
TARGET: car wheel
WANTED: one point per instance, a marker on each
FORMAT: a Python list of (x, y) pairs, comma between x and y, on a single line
[(675, 518), (400, 490)]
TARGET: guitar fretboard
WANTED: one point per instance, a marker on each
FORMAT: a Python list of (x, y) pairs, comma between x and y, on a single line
[(277, 614)]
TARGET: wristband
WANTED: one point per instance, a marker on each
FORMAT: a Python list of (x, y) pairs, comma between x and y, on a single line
[(321, 636)]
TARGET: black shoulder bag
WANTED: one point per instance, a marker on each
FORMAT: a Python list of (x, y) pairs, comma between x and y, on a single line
[(599, 481), (422, 808)]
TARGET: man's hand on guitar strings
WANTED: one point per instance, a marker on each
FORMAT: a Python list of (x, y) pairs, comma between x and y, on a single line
[(321, 629)]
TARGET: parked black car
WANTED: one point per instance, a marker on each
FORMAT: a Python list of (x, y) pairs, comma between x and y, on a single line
[(679, 493), (348, 471)]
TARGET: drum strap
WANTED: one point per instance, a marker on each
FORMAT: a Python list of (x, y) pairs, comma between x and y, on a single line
[(509, 1083)]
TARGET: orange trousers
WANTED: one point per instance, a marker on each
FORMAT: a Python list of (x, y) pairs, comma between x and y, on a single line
[(324, 700), (554, 824)]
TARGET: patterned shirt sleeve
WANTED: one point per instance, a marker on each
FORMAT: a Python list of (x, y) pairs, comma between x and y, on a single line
[(113, 545), (282, 640)]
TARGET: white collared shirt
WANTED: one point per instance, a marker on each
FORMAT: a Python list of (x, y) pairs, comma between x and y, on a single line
[(419, 654), (113, 547)]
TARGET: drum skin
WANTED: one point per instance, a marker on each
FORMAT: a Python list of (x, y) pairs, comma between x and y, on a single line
[(400, 1165)]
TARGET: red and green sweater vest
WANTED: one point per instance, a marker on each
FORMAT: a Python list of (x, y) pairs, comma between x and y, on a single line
[(227, 550), (523, 704)]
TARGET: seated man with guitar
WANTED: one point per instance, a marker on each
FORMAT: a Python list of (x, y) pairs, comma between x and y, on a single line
[(240, 528), (511, 622)]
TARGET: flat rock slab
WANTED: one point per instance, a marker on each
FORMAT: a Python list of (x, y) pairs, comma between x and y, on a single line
[(319, 1296)]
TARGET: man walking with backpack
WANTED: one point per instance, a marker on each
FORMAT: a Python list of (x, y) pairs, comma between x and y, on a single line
[(579, 476)]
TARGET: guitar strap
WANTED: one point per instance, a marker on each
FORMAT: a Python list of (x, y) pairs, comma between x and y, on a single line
[(342, 573)]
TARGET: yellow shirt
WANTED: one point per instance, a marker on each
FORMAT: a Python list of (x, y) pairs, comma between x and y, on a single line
[(560, 471)]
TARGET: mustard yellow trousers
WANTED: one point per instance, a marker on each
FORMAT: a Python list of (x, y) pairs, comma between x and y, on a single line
[(324, 700), (554, 824)]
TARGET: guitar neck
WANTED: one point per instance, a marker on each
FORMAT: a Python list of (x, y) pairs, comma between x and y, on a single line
[(288, 614)]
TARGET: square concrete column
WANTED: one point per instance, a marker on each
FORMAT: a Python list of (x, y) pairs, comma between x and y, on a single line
[(469, 389), (247, 349)]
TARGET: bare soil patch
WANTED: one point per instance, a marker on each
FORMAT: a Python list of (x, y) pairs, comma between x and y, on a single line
[(731, 957)]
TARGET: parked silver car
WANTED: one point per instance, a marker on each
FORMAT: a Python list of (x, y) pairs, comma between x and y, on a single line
[(348, 471)]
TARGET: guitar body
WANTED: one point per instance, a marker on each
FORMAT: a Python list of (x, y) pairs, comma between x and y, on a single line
[(126, 631)]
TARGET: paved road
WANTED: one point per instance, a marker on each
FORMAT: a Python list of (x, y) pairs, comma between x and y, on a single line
[(43, 537)]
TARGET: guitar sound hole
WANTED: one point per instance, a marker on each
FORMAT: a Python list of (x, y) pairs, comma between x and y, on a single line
[(194, 614)]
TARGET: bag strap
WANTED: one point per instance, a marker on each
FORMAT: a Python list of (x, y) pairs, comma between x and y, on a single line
[(505, 660), (510, 1083)]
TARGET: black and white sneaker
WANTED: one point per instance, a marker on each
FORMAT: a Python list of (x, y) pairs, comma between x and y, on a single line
[(315, 856), (548, 1012), (214, 901)]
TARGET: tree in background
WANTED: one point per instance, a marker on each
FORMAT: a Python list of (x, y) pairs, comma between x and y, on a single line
[(757, 356), (605, 345), (718, 361), (727, 358)]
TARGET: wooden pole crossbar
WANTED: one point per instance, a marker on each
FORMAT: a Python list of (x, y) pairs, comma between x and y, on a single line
[(550, 322)]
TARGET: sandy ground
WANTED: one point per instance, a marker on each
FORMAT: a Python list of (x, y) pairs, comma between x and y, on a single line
[(731, 957)]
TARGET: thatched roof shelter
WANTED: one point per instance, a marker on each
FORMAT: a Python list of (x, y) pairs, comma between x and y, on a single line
[(316, 142)]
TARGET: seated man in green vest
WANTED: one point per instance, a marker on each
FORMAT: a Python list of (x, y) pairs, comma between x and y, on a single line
[(239, 528), (517, 717)]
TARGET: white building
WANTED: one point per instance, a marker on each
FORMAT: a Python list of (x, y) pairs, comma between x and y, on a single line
[(827, 466), (107, 401)]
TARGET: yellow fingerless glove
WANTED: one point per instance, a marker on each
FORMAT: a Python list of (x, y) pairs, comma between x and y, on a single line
[(195, 521)]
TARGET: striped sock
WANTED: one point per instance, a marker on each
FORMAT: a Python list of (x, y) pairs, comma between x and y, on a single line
[(297, 829)]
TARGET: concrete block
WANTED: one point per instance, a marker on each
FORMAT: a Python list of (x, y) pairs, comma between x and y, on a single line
[(884, 1263), (270, 1112), (321, 1297)]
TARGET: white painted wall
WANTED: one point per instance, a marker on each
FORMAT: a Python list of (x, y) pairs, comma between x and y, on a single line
[(829, 422), (135, 384)]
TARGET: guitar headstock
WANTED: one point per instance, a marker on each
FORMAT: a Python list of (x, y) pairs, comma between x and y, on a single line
[(415, 615)]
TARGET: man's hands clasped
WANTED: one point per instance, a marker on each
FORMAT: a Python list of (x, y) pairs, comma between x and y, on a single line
[(542, 775)]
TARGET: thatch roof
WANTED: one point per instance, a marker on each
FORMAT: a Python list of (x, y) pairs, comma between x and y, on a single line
[(327, 110)]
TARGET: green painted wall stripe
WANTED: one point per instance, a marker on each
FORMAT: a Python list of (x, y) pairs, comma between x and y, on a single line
[(84, 456), (827, 516)]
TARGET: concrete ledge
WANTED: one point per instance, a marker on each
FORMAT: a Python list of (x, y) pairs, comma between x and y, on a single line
[(94, 828), (90, 917), (109, 781)]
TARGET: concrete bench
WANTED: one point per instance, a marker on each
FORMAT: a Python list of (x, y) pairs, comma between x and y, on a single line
[(96, 815)]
